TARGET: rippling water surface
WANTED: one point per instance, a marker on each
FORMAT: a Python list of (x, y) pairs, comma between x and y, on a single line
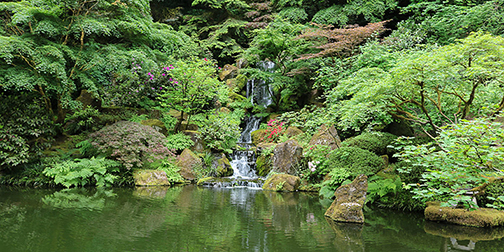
[(192, 218)]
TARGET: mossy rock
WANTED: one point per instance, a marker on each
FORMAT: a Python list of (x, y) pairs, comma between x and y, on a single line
[(187, 161), (236, 97), (222, 166), (326, 136), (292, 131), (481, 217), (150, 178), (156, 124), (263, 165), (88, 100), (258, 136), (203, 180), (232, 84), (228, 72), (375, 142), (282, 182)]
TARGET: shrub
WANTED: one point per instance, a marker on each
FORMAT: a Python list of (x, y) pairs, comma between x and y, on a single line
[(25, 129), (346, 163), (375, 142), (273, 131), (222, 131), (81, 120), (179, 141), (130, 143), (81, 172)]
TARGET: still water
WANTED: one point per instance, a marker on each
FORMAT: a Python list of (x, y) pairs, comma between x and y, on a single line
[(192, 218)]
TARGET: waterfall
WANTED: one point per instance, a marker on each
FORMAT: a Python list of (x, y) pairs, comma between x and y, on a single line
[(243, 161), (259, 89)]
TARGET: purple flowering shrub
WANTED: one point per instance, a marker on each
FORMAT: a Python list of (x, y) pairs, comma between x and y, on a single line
[(130, 143)]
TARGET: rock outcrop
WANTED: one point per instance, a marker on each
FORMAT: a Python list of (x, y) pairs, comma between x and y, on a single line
[(326, 136), (150, 178), (292, 131), (350, 198), (186, 163), (222, 165), (282, 182), (286, 156), (197, 139)]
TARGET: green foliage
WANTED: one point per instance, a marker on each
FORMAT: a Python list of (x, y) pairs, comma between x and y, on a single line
[(355, 161), (189, 86), (221, 131), (444, 23), (380, 189), (464, 156), (375, 142), (309, 118), (171, 170), (293, 14), (178, 142), (81, 120), (26, 129), (130, 143), (82, 172), (56, 48), (353, 11), (428, 87), (344, 164)]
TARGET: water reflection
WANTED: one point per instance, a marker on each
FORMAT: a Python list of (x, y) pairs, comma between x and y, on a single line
[(462, 238), (192, 218)]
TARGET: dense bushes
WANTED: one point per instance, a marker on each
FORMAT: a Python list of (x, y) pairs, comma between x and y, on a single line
[(130, 143), (375, 142)]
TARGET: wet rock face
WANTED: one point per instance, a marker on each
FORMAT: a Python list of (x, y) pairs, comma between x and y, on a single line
[(286, 156), (350, 198), (222, 165), (150, 178), (326, 136), (186, 162), (282, 182)]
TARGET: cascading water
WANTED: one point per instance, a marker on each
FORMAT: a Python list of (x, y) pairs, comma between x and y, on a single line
[(243, 161)]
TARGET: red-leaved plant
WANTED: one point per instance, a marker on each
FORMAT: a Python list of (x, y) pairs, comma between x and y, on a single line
[(130, 143), (273, 131)]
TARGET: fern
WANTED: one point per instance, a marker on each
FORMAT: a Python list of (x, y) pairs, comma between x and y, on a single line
[(82, 172)]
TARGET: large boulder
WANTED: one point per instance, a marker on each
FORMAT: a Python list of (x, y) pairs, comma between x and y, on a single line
[(292, 131), (350, 198), (222, 165), (88, 100), (286, 156), (258, 136), (150, 178), (197, 139), (282, 182), (156, 124), (326, 136), (228, 72), (186, 163)]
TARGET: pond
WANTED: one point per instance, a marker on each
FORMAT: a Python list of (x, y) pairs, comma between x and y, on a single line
[(191, 218)]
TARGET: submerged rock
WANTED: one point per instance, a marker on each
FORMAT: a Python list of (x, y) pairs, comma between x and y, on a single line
[(350, 198), (286, 156), (282, 182), (150, 178), (186, 162), (482, 217), (326, 136)]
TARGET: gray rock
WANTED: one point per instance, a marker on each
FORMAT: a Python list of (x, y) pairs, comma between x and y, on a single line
[(350, 198), (150, 178), (286, 156)]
